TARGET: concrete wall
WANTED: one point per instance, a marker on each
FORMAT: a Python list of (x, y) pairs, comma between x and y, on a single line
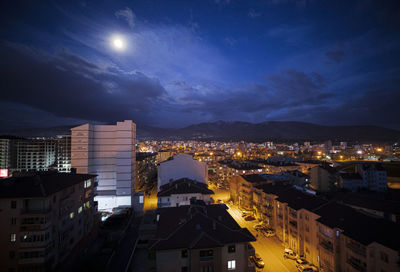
[(182, 166), (172, 261), (107, 151)]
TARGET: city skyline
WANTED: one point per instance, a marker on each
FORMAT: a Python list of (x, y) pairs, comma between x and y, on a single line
[(186, 62)]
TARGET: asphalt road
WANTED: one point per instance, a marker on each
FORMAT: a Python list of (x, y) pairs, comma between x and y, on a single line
[(270, 249)]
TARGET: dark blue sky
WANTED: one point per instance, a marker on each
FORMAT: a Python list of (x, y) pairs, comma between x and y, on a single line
[(185, 62)]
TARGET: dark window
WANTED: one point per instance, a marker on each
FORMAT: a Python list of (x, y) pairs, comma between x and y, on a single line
[(12, 254), (184, 253), (231, 248), (184, 269), (206, 253), (13, 220), (13, 204)]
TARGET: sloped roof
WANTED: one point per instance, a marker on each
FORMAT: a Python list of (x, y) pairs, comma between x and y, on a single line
[(197, 226), (184, 186), (39, 184), (358, 226)]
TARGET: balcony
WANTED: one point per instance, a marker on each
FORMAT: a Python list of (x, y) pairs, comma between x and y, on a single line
[(31, 211), (326, 245), (356, 264), (360, 250)]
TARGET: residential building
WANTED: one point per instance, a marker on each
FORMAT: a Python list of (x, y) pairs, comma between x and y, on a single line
[(182, 191), (374, 176), (63, 153), (8, 152), (199, 238), (146, 170), (351, 181), (352, 241), (323, 178), (241, 187), (44, 216), (36, 154), (181, 166), (107, 151)]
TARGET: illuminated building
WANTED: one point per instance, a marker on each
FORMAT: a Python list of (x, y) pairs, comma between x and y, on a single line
[(45, 216), (181, 166), (200, 237), (107, 151)]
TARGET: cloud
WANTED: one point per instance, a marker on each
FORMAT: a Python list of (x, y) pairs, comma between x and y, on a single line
[(287, 90), (222, 2), (335, 55), (66, 85), (230, 41), (126, 14), (253, 14)]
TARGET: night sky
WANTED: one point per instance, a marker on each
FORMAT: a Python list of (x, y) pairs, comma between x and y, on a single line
[(186, 62)]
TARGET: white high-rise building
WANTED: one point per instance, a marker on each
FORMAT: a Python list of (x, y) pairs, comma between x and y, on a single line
[(107, 151), (181, 166)]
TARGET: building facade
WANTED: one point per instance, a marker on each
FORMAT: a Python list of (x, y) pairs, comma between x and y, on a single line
[(44, 216), (181, 166), (107, 151), (200, 238)]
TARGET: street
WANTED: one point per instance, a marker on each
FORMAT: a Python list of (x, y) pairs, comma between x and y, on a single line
[(270, 249)]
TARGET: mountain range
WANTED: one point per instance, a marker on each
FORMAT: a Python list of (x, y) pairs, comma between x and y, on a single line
[(235, 131)]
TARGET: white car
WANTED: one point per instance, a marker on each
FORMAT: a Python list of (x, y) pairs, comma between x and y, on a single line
[(307, 268), (290, 254), (301, 261)]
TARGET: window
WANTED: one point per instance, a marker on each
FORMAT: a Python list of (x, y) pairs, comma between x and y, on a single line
[(71, 215), (184, 269), (232, 265), (80, 209), (140, 199), (87, 183), (231, 248), (206, 253), (13, 204), (12, 254), (184, 253), (384, 257), (13, 237), (13, 220)]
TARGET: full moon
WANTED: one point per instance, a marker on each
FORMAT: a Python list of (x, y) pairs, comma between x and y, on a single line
[(118, 43)]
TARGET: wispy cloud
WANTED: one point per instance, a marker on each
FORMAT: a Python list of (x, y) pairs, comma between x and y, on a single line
[(253, 14), (126, 14)]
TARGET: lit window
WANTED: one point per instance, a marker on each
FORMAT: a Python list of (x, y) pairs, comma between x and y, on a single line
[(80, 209), (232, 265), (13, 237), (140, 199), (71, 215), (87, 183)]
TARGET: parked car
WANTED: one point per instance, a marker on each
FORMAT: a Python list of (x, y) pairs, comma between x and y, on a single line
[(290, 254), (306, 268), (259, 226), (301, 261), (256, 259), (269, 233), (249, 218)]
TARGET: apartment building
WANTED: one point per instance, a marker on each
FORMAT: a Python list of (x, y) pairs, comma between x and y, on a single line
[(181, 166), (241, 187), (44, 216), (323, 178), (182, 191), (330, 235), (352, 241), (107, 151), (374, 176), (21, 155), (200, 238)]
